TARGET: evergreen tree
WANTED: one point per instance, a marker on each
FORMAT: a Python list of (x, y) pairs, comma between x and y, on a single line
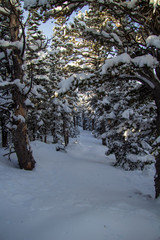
[(5, 94), (13, 47), (38, 72)]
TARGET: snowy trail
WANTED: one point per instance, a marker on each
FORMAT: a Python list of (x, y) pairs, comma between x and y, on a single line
[(76, 195)]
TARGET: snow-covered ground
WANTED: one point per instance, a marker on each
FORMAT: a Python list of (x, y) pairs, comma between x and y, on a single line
[(76, 195)]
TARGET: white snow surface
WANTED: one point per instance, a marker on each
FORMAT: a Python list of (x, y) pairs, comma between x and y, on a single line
[(76, 195), (124, 58), (153, 41)]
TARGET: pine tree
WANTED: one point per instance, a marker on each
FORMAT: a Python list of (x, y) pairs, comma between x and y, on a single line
[(5, 94), (38, 72), (63, 113)]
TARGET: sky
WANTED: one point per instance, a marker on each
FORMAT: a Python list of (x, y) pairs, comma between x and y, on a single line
[(47, 27)]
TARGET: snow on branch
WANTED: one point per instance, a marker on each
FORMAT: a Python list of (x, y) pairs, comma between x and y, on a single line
[(5, 84), (109, 63), (139, 62), (66, 84), (146, 60), (131, 4), (4, 11), (153, 41), (7, 44), (155, 3), (16, 82), (137, 77), (112, 37), (34, 3)]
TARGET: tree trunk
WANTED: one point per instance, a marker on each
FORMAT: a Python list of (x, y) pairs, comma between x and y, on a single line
[(45, 136), (83, 121), (93, 127), (65, 132), (4, 138), (4, 133), (66, 137), (20, 137), (104, 141), (19, 132), (157, 164), (157, 176), (74, 120)]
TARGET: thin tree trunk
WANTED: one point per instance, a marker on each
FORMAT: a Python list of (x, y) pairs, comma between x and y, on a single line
[(65, 132), (4, 133), (45, 136), (157, 164), (93, 127), (66, 138), (74, 120), (4, 137), (20, 137), (157, 176), (104, 141)]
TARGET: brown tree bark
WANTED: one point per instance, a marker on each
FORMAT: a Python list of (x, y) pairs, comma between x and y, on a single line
[(20, 137)]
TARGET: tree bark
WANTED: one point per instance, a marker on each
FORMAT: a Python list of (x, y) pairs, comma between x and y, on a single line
[(157, 176), (4, 134), (66, 137), (104, 141), (157, 164), (93, 127), (19, 131)]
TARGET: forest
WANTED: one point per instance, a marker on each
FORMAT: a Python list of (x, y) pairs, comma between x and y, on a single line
[(101, 72)]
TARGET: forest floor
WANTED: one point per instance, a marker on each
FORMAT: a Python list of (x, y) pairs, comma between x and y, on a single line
[(76, 195)]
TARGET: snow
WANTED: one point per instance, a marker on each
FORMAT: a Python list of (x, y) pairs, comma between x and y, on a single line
[(2, 55), (19, 118), (20, 85), (116, 38), (32, 3), (9, 44), (127, 113), (67, 83), (105, 34), (131, 4), (155, 3), (29, 103), (122, 58), (4, 11), (111, 115), (145, 60), (76, 195), (112, 35), (153, 41), (157, 141), (106, 100)]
